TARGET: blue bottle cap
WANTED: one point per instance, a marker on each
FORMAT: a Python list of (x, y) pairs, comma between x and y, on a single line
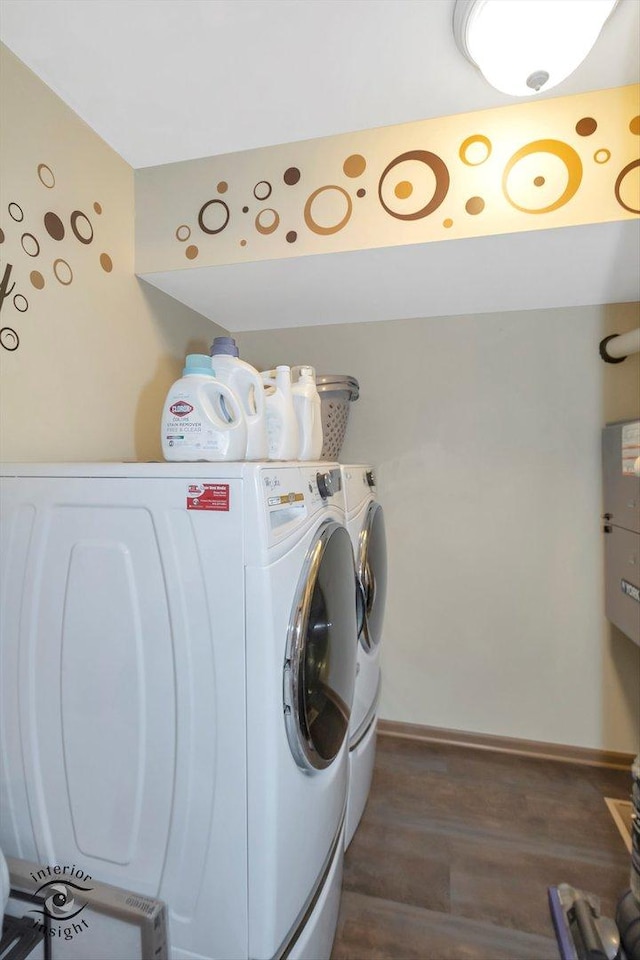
[(198, 363)]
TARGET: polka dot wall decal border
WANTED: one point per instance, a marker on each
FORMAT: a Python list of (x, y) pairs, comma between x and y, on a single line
[(318, 228), (45, 176), (556, 148)]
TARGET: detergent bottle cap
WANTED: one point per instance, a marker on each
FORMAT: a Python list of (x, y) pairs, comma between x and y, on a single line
[(224, 346), (198, 363)]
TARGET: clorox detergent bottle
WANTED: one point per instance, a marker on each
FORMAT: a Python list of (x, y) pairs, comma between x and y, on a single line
[(306, 403), (282, 426), (246, 383), (202, 418)]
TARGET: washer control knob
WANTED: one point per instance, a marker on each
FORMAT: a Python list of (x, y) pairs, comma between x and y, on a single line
[(371, 480), (325, 485)]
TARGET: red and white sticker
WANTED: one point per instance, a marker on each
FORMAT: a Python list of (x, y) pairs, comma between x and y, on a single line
[(208, 496)]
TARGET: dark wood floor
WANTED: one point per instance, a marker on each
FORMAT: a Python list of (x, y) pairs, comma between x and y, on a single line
[(457, 847)]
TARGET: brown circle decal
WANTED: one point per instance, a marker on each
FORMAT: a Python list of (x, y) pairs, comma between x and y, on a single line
[(291, 176), (9, 339), (183, 232), (15, 212), (634, 126), (439, 170), (355, 165), (1, 235), (54, 226), (262, 190), (475, 150), (361, 193), (447, 223), (216, 212), (243, 243), (245, 209), (474, 205), (308, 216), (63, 272), (267, 221), (586, 126), (21, 303), (81, 226), (106, 262), (191, 252), (601, 156), (556, 148), (45, 175), (539, 182), (29, 244), (37, 279), (291, 237), (618, 187), (97, 208), (222, 187)]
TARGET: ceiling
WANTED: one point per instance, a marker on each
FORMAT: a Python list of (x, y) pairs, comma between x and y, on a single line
[(169, 80)]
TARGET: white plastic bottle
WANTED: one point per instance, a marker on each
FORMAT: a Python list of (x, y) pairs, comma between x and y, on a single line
[(246, 383), (202, 418), (306, 403), (282, 425)]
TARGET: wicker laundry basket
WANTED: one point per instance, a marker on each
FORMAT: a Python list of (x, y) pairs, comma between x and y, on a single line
[(336, 391)]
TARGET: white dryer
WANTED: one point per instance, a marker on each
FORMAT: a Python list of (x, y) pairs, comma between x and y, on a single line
[(365, 523), (177, 664)]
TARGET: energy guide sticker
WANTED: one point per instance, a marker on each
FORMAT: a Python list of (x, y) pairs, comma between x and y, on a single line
[(208, 496)]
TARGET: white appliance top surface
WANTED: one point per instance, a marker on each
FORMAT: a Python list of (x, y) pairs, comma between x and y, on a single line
[(153, 470)]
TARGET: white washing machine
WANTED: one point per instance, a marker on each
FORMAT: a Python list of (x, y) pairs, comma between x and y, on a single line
[(365, 523), (177, 671)]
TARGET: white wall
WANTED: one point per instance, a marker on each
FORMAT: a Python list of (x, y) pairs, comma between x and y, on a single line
[(486, 434), (97, 355)]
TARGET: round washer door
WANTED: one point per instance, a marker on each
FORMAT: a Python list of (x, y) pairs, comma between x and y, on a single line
[(372, 572), (320, 662)]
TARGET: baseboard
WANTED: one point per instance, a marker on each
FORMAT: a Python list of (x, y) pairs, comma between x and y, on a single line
[(521, 748)]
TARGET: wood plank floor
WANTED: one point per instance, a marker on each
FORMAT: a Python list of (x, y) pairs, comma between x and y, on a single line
[(456, 849)]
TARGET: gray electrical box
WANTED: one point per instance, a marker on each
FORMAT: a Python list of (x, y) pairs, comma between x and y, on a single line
[(621, 475)]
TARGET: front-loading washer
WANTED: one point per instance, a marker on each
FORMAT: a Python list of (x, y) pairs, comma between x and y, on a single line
[(177, 670), (365, 523)]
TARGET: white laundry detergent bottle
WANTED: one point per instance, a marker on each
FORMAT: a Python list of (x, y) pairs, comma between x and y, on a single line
[(202, 418), (282, 425), (306, 403), (246, 383)]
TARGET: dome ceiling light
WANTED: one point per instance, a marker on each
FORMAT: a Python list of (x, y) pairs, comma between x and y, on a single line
[(523, 47)]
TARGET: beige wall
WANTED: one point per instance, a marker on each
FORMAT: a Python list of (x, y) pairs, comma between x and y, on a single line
[(97, 355), (486, 434)]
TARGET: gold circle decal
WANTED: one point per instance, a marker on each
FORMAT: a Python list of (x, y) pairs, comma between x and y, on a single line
[(474, 205), (354, 166), (447, 223), (403, 190), (601, 156), (45, 176), (634, 126), (635, 198), (558, 149), (267, 221), (191, 252), (63, 272), (475, 150), (36, 279), (313, 224), (440, 172), (106, 262)]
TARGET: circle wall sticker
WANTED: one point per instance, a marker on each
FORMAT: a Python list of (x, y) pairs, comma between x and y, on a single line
[(332, 193), (556, 148), (439, 169)]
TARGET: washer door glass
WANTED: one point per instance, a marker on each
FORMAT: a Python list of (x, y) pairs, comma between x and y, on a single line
[(372, 572), (320, 664)]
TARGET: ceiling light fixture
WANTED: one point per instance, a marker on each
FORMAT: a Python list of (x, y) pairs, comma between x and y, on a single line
[(523, 47)]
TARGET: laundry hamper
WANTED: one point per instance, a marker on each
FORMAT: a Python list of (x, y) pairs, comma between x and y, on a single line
[(336, 391)]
